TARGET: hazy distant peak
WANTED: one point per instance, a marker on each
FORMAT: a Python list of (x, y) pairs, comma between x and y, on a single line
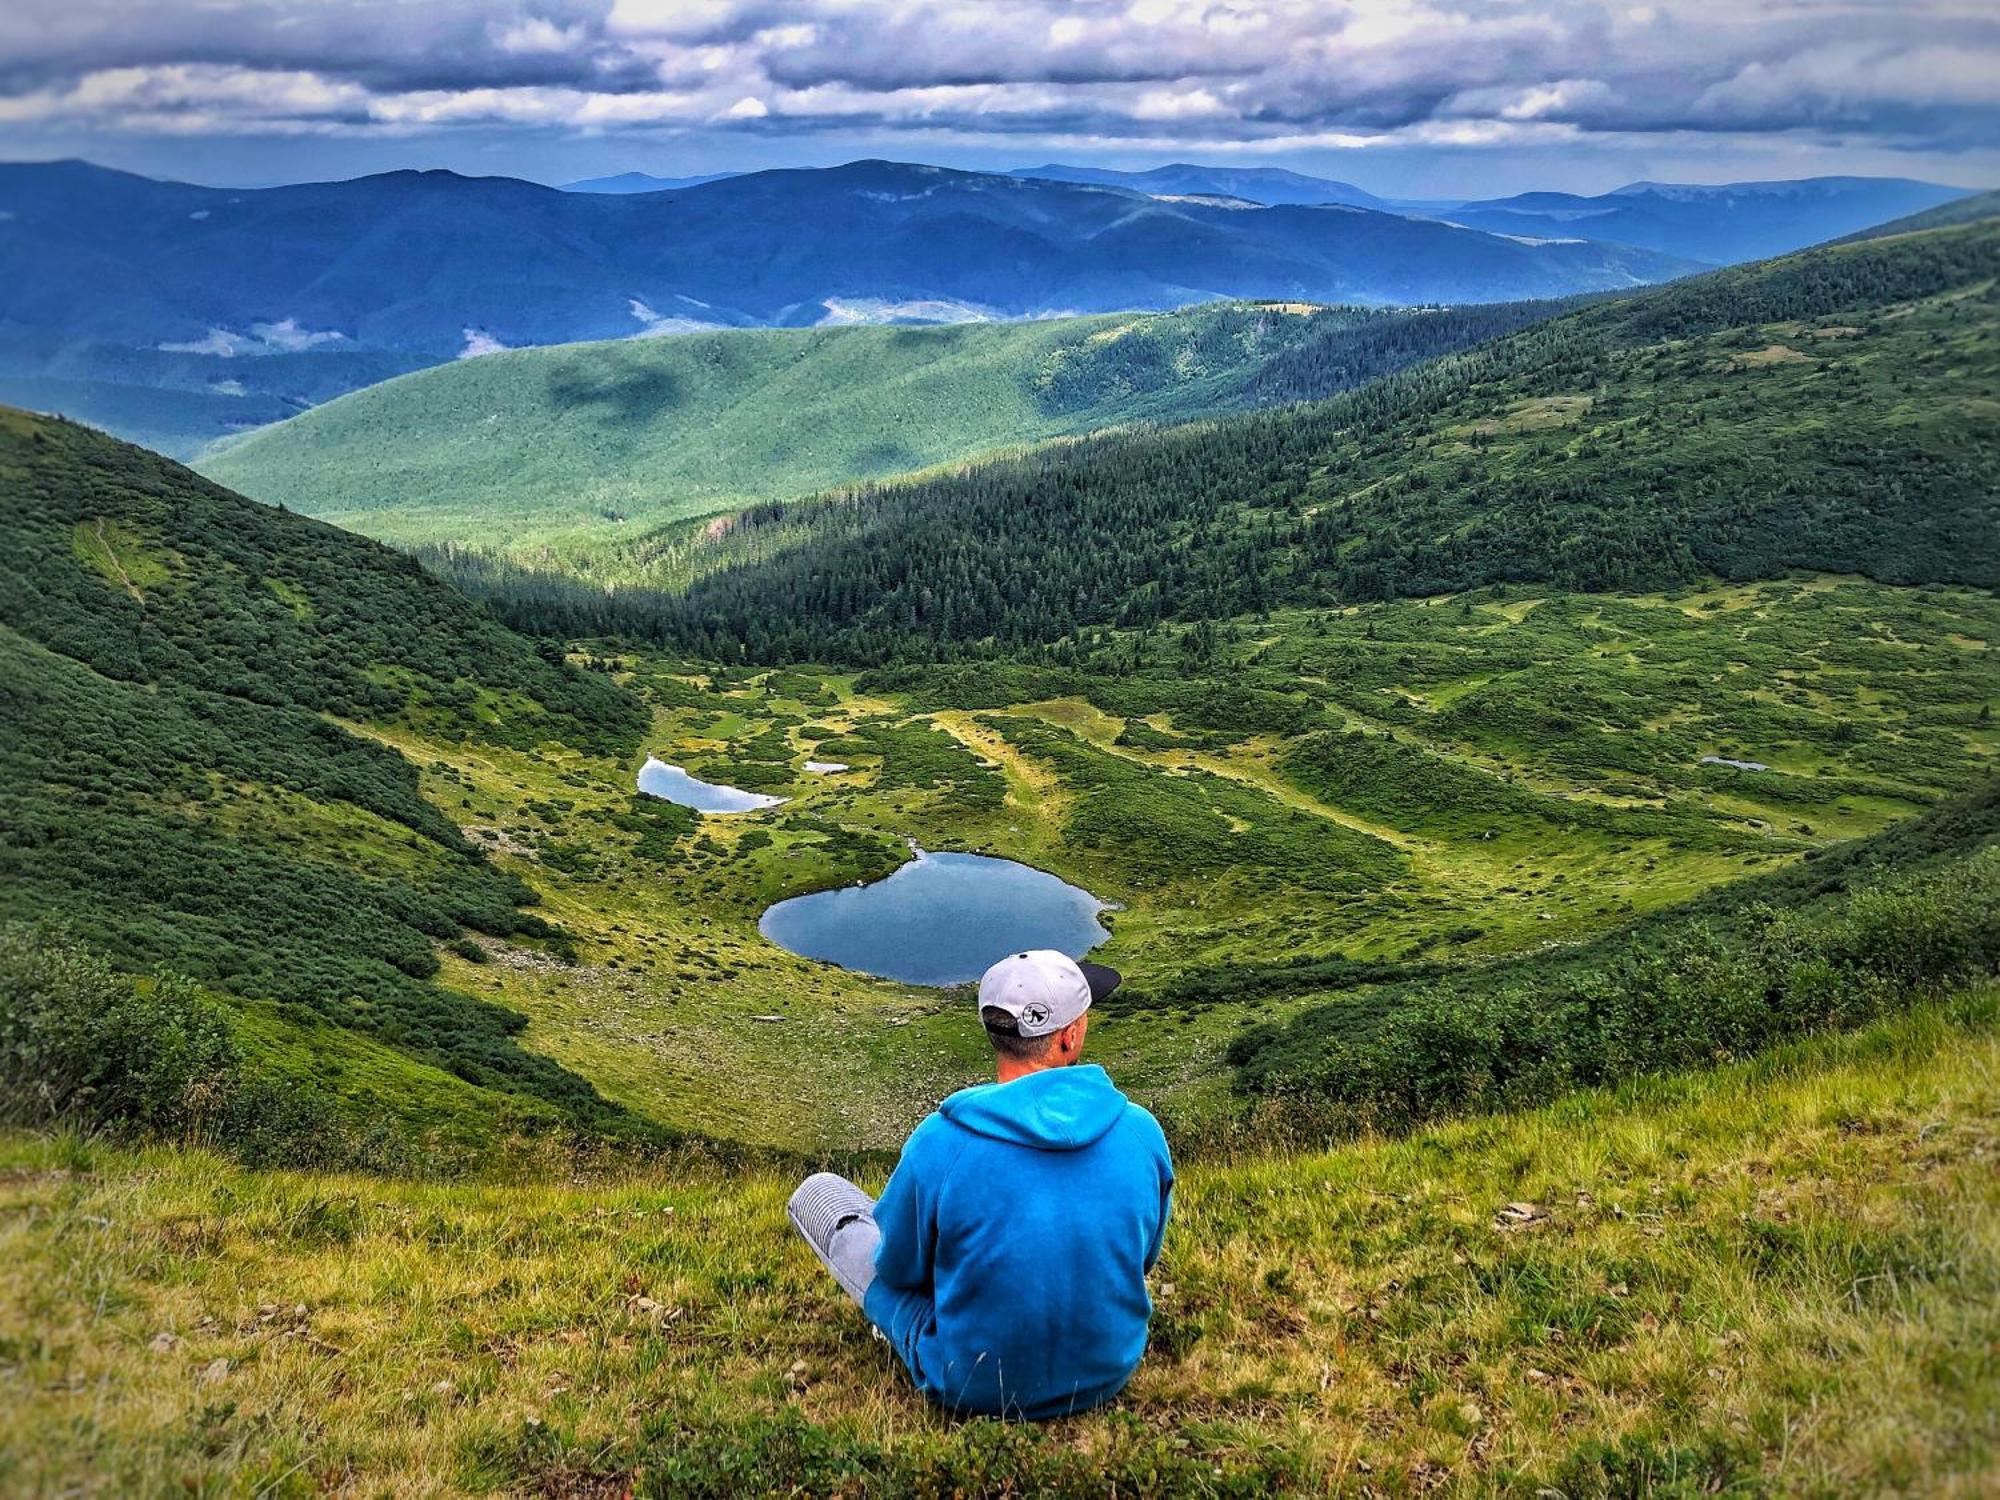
[(641, 182), (1267, 185), (1694, 192)]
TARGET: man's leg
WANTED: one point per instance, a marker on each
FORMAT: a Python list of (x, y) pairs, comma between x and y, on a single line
[(838, 1220)]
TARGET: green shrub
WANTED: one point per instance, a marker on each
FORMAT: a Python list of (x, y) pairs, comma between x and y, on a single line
[(86, 1047), (81, 1044), (1702, 993)]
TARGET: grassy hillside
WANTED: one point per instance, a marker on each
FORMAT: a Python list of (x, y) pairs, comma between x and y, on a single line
[(1967, 210), (194, 688), (1780, 1276), (1831, 411), (579, 447)]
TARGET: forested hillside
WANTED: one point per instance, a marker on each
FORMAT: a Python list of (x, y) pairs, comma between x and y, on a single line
[(178, 793), (573, 450), (1835, 410)]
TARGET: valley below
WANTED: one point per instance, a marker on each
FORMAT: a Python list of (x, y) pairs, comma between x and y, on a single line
[(1437, 784)]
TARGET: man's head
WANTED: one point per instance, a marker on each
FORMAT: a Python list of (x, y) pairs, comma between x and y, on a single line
[(1035, 1008)]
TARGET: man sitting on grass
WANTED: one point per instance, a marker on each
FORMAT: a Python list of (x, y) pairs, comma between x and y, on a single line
[(1006, 1261)]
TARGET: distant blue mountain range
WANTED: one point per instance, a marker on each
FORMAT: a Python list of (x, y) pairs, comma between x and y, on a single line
[(641, 182), (1732, 222), (1719, 224), (173, 313), (1268, 185)]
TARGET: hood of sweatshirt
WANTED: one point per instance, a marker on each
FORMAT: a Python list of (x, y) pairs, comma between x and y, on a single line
[(1058, 1109)]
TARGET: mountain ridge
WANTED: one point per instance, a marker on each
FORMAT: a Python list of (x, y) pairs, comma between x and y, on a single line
[(1722, 223), (1642, 441), (580, 447), (117, 291), (1267, 185), (641, 182)]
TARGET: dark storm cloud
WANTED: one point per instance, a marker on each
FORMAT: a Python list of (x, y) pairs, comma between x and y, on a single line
[(1236, 74)]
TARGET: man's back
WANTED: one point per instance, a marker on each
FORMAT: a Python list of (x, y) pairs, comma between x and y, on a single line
[(1016, 1235)]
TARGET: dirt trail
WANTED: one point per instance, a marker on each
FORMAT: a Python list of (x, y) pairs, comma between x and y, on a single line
[(111, 552)]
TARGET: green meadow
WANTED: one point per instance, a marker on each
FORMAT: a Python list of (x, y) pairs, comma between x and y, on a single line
[(1419, 788), (580, 446)]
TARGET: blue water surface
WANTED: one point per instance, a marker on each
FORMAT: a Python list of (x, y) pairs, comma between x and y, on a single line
[(940, 919), (658, 779)]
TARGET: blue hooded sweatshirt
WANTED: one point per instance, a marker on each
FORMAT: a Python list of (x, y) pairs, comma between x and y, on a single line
[(1017, 1231)]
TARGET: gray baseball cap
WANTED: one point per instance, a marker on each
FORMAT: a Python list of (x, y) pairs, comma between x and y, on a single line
[(1044, 990)]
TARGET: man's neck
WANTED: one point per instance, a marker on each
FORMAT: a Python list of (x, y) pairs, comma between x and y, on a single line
[(1007, 1069)]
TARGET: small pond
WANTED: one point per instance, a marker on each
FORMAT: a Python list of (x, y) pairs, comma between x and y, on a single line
[(658, 779), (940, 919)]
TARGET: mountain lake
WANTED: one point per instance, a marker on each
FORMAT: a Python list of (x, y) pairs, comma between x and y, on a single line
[(658, 779), (940, 919)]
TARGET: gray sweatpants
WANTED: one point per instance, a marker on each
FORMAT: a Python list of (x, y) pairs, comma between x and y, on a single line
[(838, 1220)]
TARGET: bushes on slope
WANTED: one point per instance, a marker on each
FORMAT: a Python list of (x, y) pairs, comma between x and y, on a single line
[(83, 1046), (79, 1043), (1705, 992)]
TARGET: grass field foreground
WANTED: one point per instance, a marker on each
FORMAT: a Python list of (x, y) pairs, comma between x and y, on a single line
[(1782, 1274)]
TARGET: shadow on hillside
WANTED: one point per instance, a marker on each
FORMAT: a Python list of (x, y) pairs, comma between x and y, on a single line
[(628, 397)]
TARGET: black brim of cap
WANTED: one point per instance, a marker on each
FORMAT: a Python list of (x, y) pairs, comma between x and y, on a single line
[(1102, 980)]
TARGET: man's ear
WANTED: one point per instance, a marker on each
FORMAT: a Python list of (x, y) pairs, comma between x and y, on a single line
[(1070, 1038)]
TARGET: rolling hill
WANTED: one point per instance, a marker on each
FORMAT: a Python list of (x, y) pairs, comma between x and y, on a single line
[(242, 304), (577, 448), (1832, 410), (189, 681)]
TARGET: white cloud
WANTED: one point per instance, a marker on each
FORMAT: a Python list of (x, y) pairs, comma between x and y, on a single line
[(283, 337), (672, 18), (654, 324), (1178, 104), (219, 342), (287, 337), (477, 342), (537, 34)]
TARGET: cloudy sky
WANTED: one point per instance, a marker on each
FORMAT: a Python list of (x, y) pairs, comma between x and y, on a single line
[(1400, 96)]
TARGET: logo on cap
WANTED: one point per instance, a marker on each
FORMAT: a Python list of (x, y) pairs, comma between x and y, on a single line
[(1034, 1013)]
